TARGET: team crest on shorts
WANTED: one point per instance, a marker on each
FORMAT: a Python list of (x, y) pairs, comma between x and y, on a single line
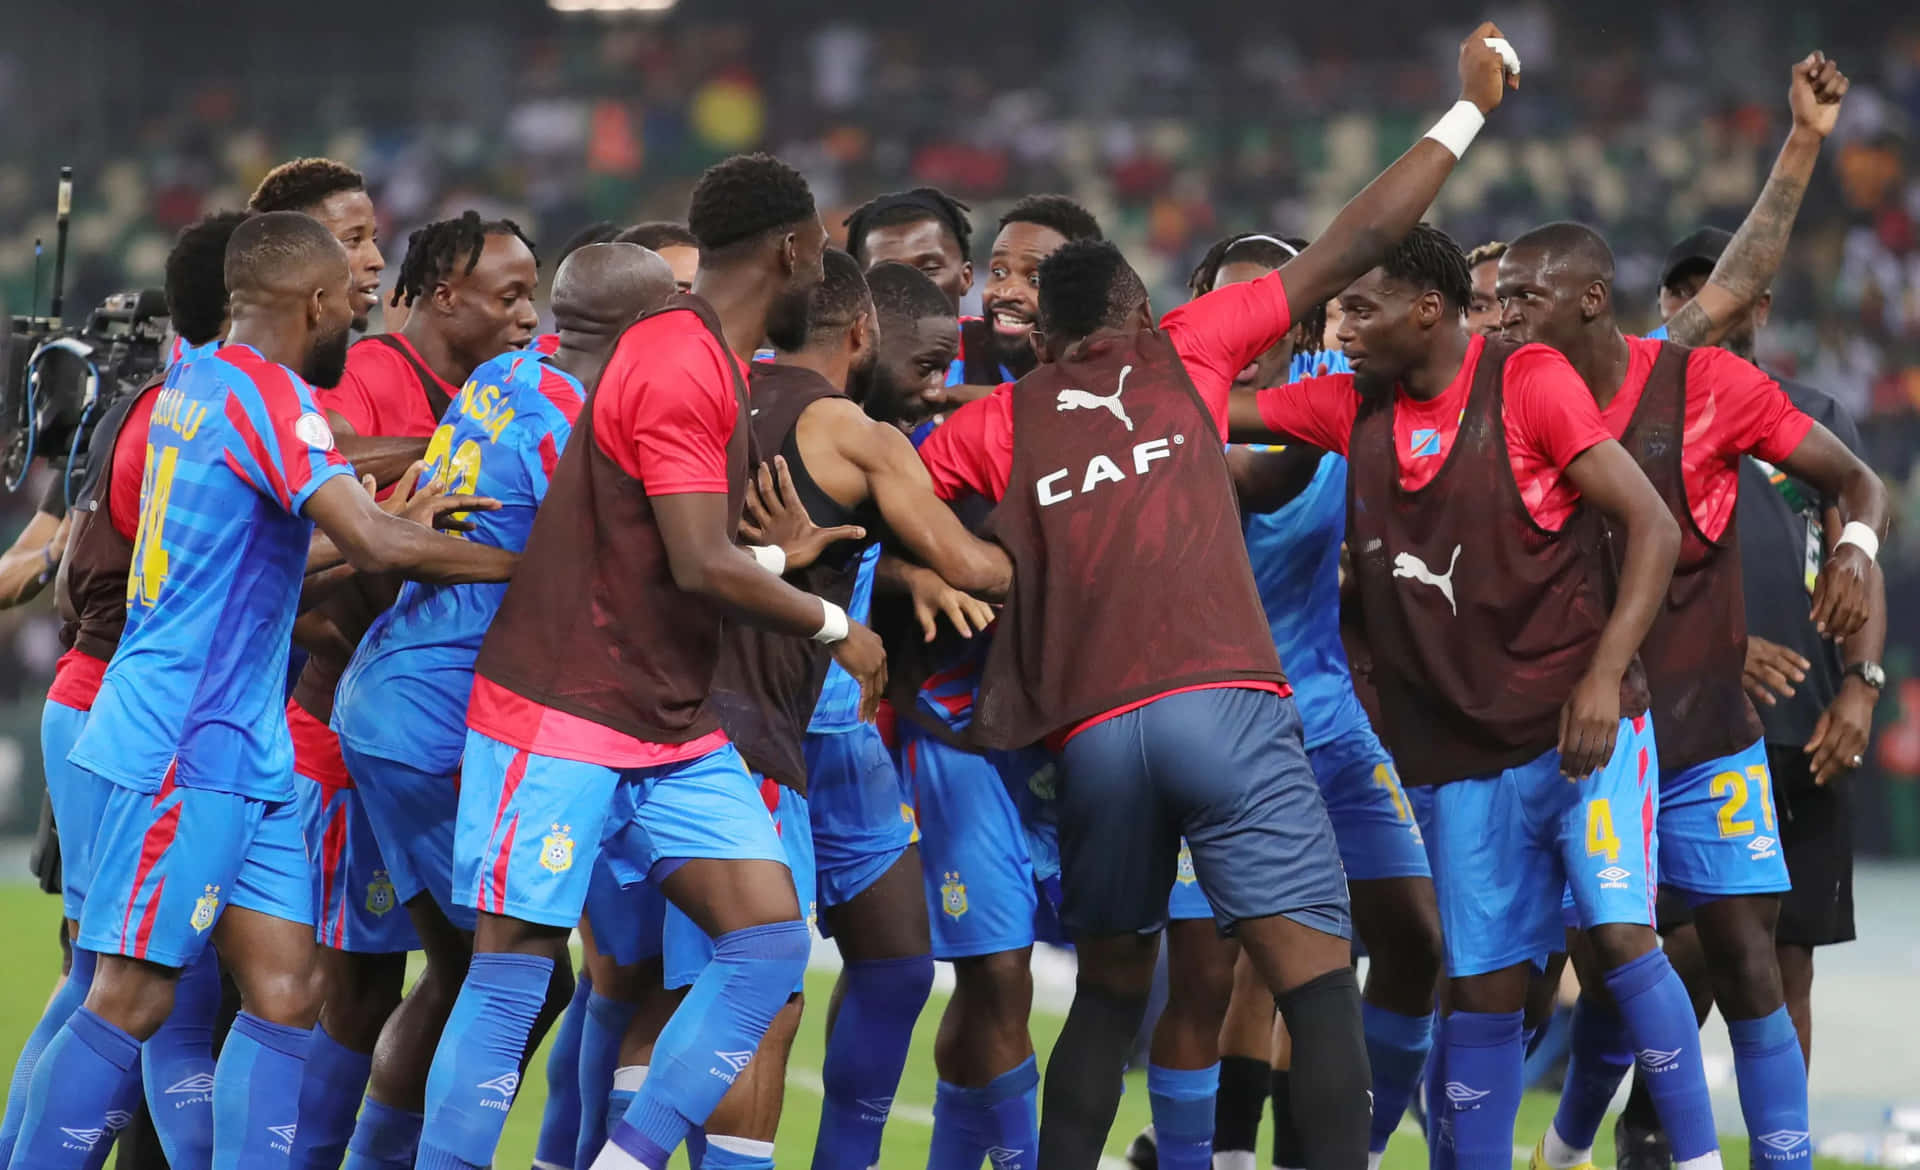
[(204, 909), (1184, 871), (953, 895), (556, 850), (380, 894)]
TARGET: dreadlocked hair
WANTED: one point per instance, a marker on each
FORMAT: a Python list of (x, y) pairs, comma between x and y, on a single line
[(1058, 212), (302, 184), (929, 204), (446, 246), (1270, 252), (1429, 259), (1086, 286)]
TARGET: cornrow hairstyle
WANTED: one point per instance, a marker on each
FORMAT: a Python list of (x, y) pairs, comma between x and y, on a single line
[(842, 297), (1058, 212), (1429, 259), (1272, 252), (197, 276), (598, 232), (1086, 286), (446, 247), (1491, 250), (658, 234), (303, 184), (744, 196), (902, 294), (929, 204)]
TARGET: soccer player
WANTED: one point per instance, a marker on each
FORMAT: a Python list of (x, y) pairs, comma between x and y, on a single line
[(336, 195), (1433, 415), (469, 284), (926, 229), (1687, 417), (400, 701), (1483, 309), (92, 587), (673, 243), (1181, 725), (240, 466), (590, 739)]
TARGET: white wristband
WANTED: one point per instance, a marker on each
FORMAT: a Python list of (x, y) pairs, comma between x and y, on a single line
[(833, 624), (772, 557), (1862, 536), (1456, 128)]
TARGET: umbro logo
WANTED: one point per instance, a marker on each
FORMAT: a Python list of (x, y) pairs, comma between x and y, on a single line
[(506, 1084), (85, 1139), (1782, 1140), (735, 1060), (1654, 1060), (284, 1133), (875, 1108), (197, 1083), (1613, 878), (1461, 1094), (118, 1119), (1761, 847), (1004, 1158)]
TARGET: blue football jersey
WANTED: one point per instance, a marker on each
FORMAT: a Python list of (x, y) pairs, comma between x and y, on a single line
[(839, 705), (404, 695), (235, 449)]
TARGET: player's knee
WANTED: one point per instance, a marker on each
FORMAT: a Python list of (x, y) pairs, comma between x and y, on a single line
[(1616, 944), (130, 996), (997, 989), (285, 997), (1746, 980), (774, 956)]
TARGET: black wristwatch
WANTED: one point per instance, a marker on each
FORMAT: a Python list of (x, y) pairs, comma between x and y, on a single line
[(1869, 673)]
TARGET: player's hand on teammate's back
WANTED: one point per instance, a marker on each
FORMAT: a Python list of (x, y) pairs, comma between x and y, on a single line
[(428, 503), (1815, 93), (1842, 594), (1771, 671), (933, 597), (862, 655), (1484, 76), (774, 515), (1589, 724)]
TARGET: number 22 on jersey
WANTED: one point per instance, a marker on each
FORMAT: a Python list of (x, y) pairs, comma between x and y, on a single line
[(456, 467), (149, 542)]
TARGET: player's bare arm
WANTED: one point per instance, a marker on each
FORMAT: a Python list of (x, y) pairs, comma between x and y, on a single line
[(1266, 481), (693, 527), (774, 515), (1376, 219), (1842, 597), (1752, 257), (385, 458), (1608, 478), (25, 567), (375, 541), (1839, 741)]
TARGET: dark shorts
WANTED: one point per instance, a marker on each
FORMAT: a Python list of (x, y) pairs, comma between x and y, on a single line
[(1226, 769)]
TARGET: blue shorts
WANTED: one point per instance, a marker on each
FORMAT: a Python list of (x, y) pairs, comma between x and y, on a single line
[(1505, 847), (165, 864), (532, 827), (1719, 836), (78, 798), (412, 815), (356, 904), (983, 864), (687, 949), (862, 814), (627, 921), (1225, 766)]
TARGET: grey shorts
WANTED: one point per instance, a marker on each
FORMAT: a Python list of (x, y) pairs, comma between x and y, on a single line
[(1226, 769)]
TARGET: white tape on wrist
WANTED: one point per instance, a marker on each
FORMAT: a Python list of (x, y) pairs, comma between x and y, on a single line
[(1457, 127), (1863, 537), (833, 624), (772, 557)]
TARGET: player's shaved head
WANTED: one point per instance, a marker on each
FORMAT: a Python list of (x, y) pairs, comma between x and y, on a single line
[(281, 254), (291, 296), (1555, 286), (1573, 248), (1087, 286), (601, 287)]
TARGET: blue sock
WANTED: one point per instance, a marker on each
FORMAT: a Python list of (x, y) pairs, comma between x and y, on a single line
[(476, 1070), (1001, 1115), (1182, 1103), (603, 1023), (1397, 1048), (384, 1138), (560, 1121), (80, 1074), (1773, 1089), (177, 1063), (1666, 1036), (120, 1114), (330, 1092), (696, 1148), (1433, 1081), (255, 1118), (1483, 1087), (865, 1056), (712, 1035), (1598, 1061), (732, 1153), (70, 996)]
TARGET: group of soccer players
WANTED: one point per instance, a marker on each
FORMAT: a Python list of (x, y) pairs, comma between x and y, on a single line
[(774, 596)]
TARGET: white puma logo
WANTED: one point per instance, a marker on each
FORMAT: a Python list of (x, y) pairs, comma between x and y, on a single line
[(1083, 400), (1407, 564)]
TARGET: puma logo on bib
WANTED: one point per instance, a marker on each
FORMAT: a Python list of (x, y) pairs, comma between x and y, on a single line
[(1071, 399), (1407, 564)]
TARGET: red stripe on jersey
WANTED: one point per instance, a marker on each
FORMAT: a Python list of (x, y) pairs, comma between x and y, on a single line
[(498, 886), (559, 391), (516, 772), (275, 383), (770, 796), (257, 447), (153, 846), (142, 939), (333, 857), (1649, 815), (549, 454)]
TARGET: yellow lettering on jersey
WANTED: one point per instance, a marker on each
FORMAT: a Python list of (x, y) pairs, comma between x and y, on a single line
[(149, 570), (485, 407), (172, 411)]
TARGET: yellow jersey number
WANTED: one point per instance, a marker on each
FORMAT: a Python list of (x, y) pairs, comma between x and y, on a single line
[(457, 467), (149, 571)]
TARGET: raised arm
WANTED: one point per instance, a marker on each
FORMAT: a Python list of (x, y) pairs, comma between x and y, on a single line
[(1747, 267), (1607, 477), (1843, 595)]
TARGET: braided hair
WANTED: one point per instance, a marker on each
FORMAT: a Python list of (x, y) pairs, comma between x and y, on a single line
[(1310, 326), (1429, 259), (929, 204), (446, 246)]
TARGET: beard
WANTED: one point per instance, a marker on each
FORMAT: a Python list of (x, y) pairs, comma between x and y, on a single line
[(787, 320), (862, 379), (327, 360)]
